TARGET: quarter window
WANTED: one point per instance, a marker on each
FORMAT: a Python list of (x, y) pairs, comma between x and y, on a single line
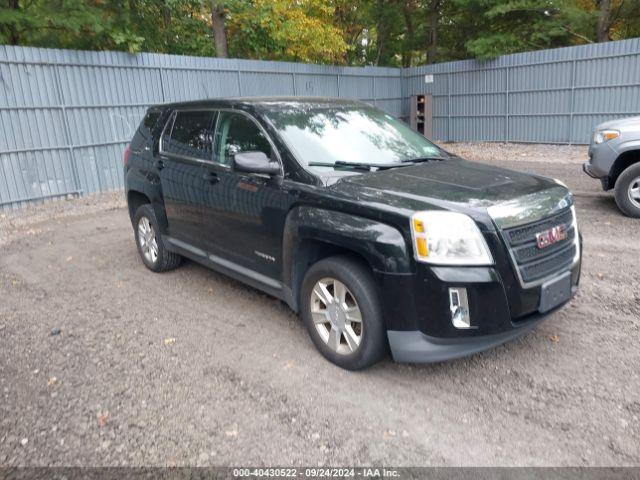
[(191, 136), (237, 133)]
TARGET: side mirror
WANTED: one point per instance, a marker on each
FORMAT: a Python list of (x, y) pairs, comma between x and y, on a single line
[(255, 162)]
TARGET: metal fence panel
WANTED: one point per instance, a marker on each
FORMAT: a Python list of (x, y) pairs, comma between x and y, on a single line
[(549, 96), (66, 116)]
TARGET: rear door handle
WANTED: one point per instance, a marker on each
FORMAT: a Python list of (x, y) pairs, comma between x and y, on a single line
[(159, 164), (211, 177)]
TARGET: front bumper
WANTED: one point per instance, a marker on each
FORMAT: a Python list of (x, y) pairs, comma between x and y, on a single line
[(418, 316), (605, 180), (586, 168), (416, 347)]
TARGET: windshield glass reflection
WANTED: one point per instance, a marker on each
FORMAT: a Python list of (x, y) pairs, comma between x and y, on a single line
[(352, 134)]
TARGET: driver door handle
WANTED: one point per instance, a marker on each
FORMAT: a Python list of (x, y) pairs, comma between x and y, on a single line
[(211, 177), (159, 164)]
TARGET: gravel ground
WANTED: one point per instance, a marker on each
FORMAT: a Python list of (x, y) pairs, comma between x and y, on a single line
[(105, 363)]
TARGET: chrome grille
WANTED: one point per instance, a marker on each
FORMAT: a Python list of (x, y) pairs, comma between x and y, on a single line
[(534, 263)]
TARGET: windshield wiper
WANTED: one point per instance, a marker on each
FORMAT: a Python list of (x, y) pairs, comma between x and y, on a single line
[(342, 165), (424, 159)]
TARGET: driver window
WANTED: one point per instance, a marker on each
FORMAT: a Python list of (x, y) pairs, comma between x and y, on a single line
[(237, 133)]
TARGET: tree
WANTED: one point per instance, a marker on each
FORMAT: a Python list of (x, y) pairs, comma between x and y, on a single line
[(434, 20), (603, 21), (295, 30), (219, 29), (353, 32)]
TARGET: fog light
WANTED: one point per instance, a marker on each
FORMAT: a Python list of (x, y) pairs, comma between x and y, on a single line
[(459, 306)]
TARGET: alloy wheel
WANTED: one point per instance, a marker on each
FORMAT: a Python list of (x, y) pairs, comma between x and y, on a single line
[(147, 240), (634, 192), (336, 316)]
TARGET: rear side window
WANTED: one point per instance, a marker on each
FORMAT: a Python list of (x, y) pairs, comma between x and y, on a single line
[(147, 129), (191, 135), (150, 121)]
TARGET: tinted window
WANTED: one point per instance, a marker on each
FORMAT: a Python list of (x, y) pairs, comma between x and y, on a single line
[(326, 134), (150, 120), (192, 135), (146, 130), (237, 133)]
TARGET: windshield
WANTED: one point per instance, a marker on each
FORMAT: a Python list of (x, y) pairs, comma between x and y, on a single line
[(320, 136)]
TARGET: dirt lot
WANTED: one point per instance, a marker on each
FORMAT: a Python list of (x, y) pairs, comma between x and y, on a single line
[(105, 363)]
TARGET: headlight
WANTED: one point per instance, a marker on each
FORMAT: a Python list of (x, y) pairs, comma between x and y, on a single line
[(605, 135), (448, 238)]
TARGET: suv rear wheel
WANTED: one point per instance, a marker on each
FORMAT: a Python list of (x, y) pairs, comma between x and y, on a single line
[(342, 313), (149, 242), (628, 191)]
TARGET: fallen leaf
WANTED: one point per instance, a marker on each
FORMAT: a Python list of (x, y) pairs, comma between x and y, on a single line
[(52, 381), (69, 258), (389, 433), (102, 419), (288, 365), (554, 338), (231, 433), (600, 275), (169, 341)]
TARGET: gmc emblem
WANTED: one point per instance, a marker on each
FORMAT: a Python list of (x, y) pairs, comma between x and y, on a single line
[(549, 237)]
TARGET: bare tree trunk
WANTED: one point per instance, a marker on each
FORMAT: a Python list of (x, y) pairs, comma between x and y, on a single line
[(166, 16), (219, 30), (14, 36), (434, 17), (603, 21), (407, 51), (381, 34)]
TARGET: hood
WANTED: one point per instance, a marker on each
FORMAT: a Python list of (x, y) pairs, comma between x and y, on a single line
[(488, 194), (620, 123)]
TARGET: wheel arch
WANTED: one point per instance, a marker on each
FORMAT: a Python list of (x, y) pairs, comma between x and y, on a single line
[(624, 161), (135, 200), (141, 196), (312, 234)]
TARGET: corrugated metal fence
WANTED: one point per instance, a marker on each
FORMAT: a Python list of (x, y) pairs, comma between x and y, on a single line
[(547, 96), (65, 116)]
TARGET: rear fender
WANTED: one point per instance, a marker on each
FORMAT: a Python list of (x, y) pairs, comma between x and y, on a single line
[(148, 185)]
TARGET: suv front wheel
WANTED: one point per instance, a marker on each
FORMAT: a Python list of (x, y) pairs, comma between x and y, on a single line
[(149, 242), (342, 313), (628, 191)]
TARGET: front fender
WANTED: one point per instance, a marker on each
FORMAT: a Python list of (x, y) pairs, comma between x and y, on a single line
[(628, 146), (382, 245)]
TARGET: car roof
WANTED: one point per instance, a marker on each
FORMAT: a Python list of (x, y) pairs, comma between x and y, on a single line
[(265, 103)]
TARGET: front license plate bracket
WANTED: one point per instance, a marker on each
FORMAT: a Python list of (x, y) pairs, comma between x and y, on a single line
[(555, 292)]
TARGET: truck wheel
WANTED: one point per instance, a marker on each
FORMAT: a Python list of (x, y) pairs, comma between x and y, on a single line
[(341, 309), (150, 247), (628, 191)]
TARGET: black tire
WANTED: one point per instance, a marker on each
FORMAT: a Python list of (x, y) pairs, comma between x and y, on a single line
[(630, 177), (358, 279), (165, 260)]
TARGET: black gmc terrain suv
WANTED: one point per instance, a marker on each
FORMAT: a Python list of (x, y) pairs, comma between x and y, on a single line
[(380, 239)]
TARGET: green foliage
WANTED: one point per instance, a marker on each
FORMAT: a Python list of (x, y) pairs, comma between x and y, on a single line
[(353, 32), (296, 30)]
